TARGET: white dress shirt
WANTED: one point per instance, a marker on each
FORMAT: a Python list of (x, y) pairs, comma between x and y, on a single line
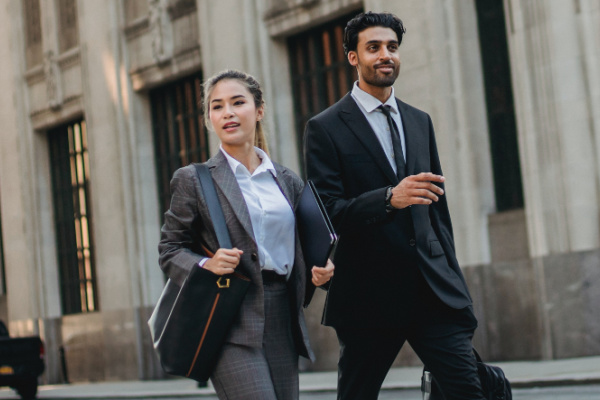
[(272, 217), (378, 121)]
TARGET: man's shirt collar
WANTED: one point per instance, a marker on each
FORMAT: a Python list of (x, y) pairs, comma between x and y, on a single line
[(370, 103)]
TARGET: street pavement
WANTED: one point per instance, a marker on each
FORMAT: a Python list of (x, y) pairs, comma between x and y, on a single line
[(577, 392), (581, 373)]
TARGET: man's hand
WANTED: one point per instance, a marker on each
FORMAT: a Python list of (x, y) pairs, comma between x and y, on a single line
[(224, 261), (417, 189), (321, 275)]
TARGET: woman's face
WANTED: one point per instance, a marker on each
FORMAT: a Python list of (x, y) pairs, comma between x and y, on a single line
[(233, 114)]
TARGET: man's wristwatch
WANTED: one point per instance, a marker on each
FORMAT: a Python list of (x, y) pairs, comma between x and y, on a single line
[(388, 200)]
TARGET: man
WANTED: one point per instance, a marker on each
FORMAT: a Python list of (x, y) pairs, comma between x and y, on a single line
[(375, 164)]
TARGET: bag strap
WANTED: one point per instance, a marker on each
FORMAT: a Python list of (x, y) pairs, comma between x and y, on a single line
[(214, 206)]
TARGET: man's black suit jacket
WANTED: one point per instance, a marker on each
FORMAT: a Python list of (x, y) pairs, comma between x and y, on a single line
[(351, 173)]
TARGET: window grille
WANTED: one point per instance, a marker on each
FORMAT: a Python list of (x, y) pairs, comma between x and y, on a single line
[(73, 218), (179, 133), (321, 74)]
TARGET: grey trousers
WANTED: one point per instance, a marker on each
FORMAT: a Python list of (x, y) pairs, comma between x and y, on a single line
[(270, 373)]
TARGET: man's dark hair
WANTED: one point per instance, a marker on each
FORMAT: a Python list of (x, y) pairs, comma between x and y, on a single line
[(367, 20)]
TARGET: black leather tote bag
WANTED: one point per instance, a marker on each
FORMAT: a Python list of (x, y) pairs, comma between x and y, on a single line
[(190, 323)]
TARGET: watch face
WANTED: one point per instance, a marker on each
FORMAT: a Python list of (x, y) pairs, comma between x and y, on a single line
[(388, 195), (388, 199)]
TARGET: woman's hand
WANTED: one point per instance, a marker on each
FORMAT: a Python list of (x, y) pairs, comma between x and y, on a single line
[(224, 261), (322, 275)]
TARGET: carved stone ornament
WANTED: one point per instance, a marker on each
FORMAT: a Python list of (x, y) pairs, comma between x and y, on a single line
[(53, 81), (161, 30)]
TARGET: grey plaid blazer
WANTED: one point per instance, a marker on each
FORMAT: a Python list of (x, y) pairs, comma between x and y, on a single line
[(187, 225)]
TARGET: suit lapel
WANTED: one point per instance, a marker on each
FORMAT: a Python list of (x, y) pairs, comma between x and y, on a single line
[(413, 136), (356, 122), (284, 181), (225, 180)]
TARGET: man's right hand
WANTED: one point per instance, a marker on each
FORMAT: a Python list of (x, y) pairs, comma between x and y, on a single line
[(224, 261), (417, 189)]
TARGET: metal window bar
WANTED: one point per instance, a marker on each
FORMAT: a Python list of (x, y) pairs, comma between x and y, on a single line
[(179, 133), (321, 74), (73, 218)]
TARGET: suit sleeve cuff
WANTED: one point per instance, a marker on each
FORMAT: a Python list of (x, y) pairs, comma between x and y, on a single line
[(202, 262)]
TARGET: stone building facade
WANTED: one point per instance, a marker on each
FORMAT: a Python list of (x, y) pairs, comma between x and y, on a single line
[(99, 104)]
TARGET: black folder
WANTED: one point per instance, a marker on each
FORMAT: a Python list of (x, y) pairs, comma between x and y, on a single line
[(317, 236)]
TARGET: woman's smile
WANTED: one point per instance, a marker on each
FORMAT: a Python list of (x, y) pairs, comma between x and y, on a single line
[(230, 126)]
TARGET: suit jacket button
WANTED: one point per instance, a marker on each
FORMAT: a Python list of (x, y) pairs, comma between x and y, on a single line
[(254, 257), (412, 242)]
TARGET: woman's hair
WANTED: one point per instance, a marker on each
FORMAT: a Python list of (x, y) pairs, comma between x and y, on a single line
[(253, 87), (367, 20)]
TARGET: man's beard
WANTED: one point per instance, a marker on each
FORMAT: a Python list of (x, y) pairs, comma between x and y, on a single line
[(381, 81), (375, 79)]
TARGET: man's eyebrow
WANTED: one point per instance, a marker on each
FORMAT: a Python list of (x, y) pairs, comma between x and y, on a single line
[(232, 98), (374, 41)]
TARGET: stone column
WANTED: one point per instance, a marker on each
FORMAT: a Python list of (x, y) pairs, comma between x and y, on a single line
[(108, 152), (589, 32), (120, 186), (554, 119), (552, 70), (123, 188), (30, 249), (17, 191)]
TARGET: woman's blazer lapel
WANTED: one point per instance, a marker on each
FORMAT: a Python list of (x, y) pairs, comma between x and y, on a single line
[(230, 192), (237, 216)]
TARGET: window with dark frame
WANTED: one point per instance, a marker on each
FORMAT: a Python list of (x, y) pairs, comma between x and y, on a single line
[(69, 163), (500, 107), (321, 74), (180, 137)]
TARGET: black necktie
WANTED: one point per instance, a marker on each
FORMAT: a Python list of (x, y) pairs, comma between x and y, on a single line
[(396, 143)]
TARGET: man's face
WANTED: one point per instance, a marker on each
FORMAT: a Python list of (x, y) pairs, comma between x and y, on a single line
[(376, 58)]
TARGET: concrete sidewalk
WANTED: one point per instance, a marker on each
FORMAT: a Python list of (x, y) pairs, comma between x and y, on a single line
[(520, 373)]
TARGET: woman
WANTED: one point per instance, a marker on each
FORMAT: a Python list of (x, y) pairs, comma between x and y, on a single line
[(260, 357)]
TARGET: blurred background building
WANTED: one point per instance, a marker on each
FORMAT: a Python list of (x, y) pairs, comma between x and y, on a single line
[(99, 104)]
